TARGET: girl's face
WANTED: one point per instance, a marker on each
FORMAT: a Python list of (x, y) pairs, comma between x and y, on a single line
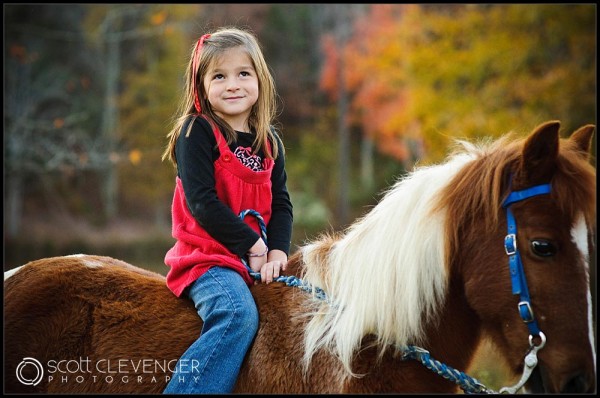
[(231, 86)]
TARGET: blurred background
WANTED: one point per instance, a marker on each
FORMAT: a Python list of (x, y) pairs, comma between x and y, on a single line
[(367, 91)]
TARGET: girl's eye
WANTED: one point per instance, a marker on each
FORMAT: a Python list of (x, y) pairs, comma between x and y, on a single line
[(244, 73), (543, 248), (218, 76)]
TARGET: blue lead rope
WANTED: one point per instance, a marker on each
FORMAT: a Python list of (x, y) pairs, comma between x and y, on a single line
[(290, 280), (467, 383)]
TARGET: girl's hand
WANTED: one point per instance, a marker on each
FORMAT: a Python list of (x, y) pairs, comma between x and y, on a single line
[(276, 263)]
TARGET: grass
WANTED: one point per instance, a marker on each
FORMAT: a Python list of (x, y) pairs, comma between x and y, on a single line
[(490, 368)]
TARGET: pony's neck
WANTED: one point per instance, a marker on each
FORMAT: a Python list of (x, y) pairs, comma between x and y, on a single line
[(457, 332)]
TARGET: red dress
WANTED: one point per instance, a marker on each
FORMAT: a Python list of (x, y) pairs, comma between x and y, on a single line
[(195, 250)]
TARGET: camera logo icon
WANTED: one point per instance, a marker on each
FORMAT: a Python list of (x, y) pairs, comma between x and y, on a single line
[(30, 371)]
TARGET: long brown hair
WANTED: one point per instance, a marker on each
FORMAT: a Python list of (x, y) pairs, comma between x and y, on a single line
[(194, 103)]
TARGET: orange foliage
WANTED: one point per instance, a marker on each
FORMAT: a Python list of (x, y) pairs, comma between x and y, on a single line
[(158, 18), (419, 75), (59, 123), (373, 75)]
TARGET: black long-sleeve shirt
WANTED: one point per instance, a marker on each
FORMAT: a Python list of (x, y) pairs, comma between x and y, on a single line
[(196, 155)]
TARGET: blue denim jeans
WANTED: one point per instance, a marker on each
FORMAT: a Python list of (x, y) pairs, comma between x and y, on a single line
[(230, 316)]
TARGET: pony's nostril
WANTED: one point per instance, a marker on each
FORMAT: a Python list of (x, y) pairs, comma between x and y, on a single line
[(577, 384)]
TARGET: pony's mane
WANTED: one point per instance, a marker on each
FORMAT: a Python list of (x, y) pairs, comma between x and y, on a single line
[(387, 274)]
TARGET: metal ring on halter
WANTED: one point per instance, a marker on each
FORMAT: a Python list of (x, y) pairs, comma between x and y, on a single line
[(542, 343), (530, 362)]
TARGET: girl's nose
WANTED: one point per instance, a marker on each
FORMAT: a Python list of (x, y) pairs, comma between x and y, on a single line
[(233, 85)]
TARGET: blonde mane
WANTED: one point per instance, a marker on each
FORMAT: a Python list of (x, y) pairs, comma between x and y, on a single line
[(386, 274)]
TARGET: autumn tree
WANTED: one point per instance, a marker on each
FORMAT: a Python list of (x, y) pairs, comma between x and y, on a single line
[(422, 75)]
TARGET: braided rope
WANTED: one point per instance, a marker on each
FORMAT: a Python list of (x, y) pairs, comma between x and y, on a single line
[(467, 383), (290, 280)]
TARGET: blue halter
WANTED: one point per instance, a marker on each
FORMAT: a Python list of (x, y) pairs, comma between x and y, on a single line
[(517, 274)]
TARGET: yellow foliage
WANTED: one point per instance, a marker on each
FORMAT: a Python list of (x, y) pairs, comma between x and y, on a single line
[(435, 73), (135, 156), (158, 18)]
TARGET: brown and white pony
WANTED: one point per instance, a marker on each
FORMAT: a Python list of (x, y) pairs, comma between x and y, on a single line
[(425, 267)]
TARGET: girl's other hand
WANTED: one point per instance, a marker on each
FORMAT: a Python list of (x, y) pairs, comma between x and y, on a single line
[(257, 255)]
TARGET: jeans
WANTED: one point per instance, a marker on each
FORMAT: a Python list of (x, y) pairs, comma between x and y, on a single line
[(212, 363)]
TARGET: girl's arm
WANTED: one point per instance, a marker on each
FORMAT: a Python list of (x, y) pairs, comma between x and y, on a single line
[(279, 230), (195, 166)]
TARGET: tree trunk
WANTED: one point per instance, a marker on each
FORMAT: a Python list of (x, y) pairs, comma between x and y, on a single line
[(344, 150), (367, 169), (14, 206), (110, 121)]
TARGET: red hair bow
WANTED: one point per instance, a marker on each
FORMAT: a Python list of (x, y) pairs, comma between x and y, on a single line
[(195, 61)]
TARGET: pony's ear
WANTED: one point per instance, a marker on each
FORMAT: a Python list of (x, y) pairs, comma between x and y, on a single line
[(582, 138), (538, 161)]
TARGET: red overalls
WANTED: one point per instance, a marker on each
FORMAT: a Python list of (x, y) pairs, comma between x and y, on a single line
[(195, 250)]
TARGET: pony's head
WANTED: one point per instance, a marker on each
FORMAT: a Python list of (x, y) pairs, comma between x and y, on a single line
[(552, 217), (428, 264)]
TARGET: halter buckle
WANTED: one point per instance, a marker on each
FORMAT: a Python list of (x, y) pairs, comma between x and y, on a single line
[(510, 244), (526, 311)]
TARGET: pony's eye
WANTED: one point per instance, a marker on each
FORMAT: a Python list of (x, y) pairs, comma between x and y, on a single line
[(543, 248)]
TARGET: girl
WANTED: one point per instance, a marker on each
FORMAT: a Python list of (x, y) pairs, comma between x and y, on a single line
[(228, 159)]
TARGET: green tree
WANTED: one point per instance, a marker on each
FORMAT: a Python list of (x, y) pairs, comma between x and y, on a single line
[(154, 84)]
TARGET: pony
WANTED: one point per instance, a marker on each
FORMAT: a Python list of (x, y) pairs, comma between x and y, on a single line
[(493, 242)]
